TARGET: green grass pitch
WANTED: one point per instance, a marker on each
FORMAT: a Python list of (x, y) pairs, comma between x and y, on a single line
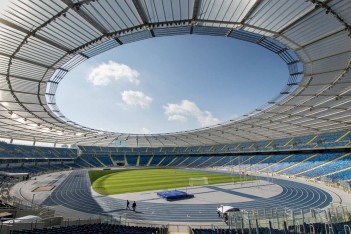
[(107, 182)]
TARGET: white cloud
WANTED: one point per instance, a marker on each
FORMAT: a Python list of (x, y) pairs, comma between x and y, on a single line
[(177, 118), (103, 74), (181, 112), (136, 98), (145, 131)]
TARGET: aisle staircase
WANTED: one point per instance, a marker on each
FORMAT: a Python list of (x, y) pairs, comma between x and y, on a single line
[(150, 160), (297, 163), (209, 158), (244, 161), (264, 159), (182, 161), (97, 159), (170, 163), (158, 164), (87, 162), (271, 165), (311, 140), (125, 160), (113, 161), (138, 161), (288, 142), (334, 172), (230, 161), (342, 137), (218, 161), (193, 162), (326, 163)]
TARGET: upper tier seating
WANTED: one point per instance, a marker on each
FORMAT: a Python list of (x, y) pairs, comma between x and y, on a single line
[(25, 151), (325, 140)]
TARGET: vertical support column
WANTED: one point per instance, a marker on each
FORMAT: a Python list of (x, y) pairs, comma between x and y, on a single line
[(138, 161), (125, 159)]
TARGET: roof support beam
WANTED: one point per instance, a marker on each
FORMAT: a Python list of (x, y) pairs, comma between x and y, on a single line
[(321, 38), (119, 41), (191, 29), (329, 56), (18, 28), (250, 26), (320, 95), (229, 32), (15, 102), (236, 23), (81, 54), (194, 137), (86, 17), (28, 61), (142, 14), (140, 11), (283, 121), (21, 92), (195, 15), (253, 8), (300, 19), (195, 10), (22, 78)]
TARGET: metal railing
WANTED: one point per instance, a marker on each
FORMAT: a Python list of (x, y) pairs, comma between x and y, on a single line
[(296, 220)]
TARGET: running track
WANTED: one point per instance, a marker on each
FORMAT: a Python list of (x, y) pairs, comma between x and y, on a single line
[(75, 193)]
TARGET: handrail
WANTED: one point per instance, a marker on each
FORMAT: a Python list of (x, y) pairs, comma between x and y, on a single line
[(329, 228), (312, 229)]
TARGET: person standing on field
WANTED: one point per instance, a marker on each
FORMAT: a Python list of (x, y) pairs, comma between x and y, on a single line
[(128, 205), (134, 206)]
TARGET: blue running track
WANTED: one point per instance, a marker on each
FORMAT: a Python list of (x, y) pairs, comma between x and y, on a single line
[(75, 193)]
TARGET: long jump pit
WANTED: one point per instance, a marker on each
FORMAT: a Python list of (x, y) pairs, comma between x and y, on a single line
[(43, 189)]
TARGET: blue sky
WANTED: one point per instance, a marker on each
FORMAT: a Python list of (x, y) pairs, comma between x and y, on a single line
[(171, 84)]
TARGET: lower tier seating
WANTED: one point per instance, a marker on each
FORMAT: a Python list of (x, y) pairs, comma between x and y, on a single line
[(96, 229)]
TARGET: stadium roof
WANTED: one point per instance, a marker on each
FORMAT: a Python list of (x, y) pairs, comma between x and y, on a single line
[(42, 40)]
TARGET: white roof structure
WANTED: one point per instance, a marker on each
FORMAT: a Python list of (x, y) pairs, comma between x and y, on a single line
[(42, 40)]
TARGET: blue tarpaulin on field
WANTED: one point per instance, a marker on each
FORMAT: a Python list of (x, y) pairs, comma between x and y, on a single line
[(174, 195)]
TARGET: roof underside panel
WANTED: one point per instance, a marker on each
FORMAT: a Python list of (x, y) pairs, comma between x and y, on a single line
[(227, 10), (343, 9), (40, 42), (113, 15), (162, 11), (318, 24)]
